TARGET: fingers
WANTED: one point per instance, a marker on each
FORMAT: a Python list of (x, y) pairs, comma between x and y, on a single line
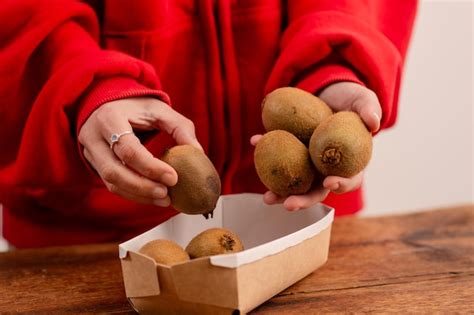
[(335, 184), (255, 139), (121, 180), (340, 185), (368, 107), (270, 198), (135, 155), (297, 202), (129, 169), (146, 113), (179, 127), (165, 202), (353, 96), (130, 151)]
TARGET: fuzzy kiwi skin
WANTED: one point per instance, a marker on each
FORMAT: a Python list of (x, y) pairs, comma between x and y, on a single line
[(283, 163), (295, 111), (198, 186), (164, 252), (214, 241), (341, 145)]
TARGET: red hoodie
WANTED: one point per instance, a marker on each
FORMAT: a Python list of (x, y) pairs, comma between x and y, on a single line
[(213, 61)]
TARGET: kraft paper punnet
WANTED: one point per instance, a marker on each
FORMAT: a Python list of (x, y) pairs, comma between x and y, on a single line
[(281, 247)]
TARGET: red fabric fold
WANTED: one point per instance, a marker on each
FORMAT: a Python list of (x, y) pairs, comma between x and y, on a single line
[(325, 75), (112, 89)]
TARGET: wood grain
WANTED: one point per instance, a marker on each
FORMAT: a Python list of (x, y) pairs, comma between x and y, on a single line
[(421, 262), (80, 279)]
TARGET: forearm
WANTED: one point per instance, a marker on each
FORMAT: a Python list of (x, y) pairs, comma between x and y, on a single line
[(50, 63), (362, 39)]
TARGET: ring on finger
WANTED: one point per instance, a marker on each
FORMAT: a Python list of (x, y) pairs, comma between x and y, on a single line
[(115, 137)]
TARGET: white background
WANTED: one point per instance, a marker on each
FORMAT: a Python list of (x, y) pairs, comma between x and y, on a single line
[(426, 160)]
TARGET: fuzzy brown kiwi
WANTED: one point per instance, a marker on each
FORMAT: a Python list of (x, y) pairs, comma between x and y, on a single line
[(198, 186), (341, 145), (295, 111), (164, 252), (283, 163), (214, 241)]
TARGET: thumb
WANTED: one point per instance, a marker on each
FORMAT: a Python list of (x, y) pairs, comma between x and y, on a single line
[(179, 127), (368, 107)]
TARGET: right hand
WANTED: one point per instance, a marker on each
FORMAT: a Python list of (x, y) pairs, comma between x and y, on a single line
[(130, 170), (339, 96)]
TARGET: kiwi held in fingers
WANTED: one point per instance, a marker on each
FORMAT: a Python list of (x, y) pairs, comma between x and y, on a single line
[(295, 111), (283, 163), (341, 145), (198, 186), (164, 252), (214, 241)]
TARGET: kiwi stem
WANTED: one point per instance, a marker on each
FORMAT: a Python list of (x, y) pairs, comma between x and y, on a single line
[(331, 156), (227, 242), (209, 214)]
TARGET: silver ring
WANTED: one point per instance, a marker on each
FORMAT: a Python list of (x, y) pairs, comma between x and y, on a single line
[(115, 137)]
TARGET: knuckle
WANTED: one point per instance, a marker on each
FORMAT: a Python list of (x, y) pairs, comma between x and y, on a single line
[(109, 174), (103, 113), (134, 188), (101, 116), (85, 135), (189, 124), (371, 96), (150, 172), (81, 137), (150, 104), (113, 189), (85, 132), (126, 153), (86, 154)]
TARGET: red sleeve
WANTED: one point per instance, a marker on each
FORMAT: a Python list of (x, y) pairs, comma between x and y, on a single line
[(346, 40), (53, 74)]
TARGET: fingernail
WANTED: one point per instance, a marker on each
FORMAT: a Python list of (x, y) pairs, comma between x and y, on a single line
[(167, 179), (378, 120), (334, 186), (159, 192), (161, 202), (377, 116), (296, 209)]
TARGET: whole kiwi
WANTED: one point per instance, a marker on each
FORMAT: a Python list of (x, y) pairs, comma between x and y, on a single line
[(164, 252), (341, 145), (198, 186), (214, 241), (295, 111), (283, 163)]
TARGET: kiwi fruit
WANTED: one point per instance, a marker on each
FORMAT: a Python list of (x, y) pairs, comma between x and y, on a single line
[(164, 252), (283, 163), (295, 111), (214, 241), (341, 145), (198, 186)]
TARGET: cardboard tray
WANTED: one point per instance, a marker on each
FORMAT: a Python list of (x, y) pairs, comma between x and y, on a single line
[(281, 248)]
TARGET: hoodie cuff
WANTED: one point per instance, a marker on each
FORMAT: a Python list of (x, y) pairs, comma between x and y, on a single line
[(112, 89), (325, 75)]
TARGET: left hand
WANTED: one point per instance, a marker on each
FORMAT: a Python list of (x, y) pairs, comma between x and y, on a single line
[(340, 96)]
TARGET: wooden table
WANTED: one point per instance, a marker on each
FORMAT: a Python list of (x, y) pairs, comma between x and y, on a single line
[(421, 262)]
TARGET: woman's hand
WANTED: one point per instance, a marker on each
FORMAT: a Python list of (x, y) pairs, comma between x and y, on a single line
[(341, 96), (129, 169)]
